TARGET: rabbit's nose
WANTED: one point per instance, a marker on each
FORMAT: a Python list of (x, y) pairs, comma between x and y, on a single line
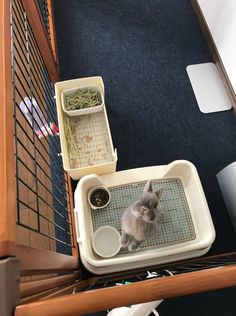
[(144, 209)]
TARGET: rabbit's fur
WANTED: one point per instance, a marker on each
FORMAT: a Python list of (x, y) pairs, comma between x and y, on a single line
[(140, 220)]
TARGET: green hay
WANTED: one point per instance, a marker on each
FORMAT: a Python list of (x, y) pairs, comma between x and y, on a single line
[(81, 99)]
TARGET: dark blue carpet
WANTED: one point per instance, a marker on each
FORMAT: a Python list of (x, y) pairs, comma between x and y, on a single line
[(141, 49)]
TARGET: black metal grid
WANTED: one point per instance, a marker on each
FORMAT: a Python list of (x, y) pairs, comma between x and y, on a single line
[(43, 204), (43, 5)]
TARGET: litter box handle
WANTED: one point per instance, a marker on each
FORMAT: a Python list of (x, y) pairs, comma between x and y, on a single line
[(76, 211)]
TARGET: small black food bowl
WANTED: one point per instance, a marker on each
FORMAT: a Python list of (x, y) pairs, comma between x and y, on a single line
[(99, 197)]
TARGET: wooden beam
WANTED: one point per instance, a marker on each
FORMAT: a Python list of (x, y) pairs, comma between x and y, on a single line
[(69, 289), (52, 29), (33, 287), (7, 160), (139, 292), (34, 261), (58, 291), (36, 22)]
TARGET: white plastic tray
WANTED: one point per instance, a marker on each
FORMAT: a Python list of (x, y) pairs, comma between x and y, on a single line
[(208, 88), (68, 92), (203, 228), (92, 134)]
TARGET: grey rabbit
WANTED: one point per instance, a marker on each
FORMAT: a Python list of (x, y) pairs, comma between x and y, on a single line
[(140, 220)]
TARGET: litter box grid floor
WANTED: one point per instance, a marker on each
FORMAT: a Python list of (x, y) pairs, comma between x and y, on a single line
[(91, 135), (176, 226)]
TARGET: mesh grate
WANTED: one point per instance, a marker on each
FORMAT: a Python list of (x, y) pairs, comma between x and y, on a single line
[(177, 225), (43, 6), (91, 135), (43, 204)]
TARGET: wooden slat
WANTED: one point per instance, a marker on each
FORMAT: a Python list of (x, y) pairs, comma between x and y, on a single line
[(52, 29), (215, 54), (69, 289), (36, 22), (7, 163), (34, 260), (58, 291), (33, 287), (144, 291)]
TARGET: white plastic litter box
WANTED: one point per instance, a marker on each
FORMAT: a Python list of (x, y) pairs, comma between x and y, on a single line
[(187, 230)]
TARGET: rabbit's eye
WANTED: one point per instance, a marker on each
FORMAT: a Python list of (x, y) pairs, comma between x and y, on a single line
[(155, 205)]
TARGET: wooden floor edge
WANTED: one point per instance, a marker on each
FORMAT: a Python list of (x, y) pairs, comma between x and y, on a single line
[(38, 259), (140, 292)]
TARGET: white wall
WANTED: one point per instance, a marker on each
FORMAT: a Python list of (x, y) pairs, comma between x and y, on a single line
[(220, 16)]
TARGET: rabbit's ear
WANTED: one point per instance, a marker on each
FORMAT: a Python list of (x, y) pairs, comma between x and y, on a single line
[(148, 187), (159, 193)]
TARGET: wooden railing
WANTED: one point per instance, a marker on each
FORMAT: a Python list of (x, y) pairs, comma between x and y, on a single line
[(52, 30), (7, 164), (143, 291), (33, 261)]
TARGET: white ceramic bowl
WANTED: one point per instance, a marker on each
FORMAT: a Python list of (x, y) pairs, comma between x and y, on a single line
[(88, 110), (106, 241), (98, 187)]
